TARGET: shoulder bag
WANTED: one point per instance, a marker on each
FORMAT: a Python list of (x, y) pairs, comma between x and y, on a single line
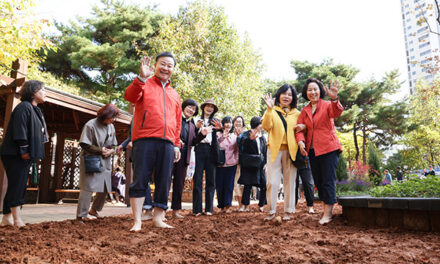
[(92, 163), (300, 160)]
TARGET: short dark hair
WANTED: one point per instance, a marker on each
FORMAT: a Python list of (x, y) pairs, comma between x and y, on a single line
[(165, 54), (237, 117), (189, 102), (255, 122), (29, 89), (108, 111), (227, 119), (284, 89), (320, 85)]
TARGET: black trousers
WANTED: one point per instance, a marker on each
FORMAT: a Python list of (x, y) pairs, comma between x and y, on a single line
[(245, 200), (324, 174), (17, 172), (179, 175), (307, 182), (204, 162), (152, 155)]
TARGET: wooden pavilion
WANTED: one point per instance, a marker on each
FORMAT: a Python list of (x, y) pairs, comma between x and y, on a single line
[(65, 116)]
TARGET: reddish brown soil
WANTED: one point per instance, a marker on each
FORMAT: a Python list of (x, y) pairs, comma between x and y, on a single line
[(221, 238)]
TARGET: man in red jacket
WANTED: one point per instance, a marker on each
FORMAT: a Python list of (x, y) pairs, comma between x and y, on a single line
[(156, 135)]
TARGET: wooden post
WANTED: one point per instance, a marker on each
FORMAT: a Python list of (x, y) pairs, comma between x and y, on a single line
[(19, 70), (59, 153)]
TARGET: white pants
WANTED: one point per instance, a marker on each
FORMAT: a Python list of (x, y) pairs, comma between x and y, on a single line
[(282, 166)]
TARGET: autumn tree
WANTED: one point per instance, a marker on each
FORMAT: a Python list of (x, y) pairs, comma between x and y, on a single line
[(213, 59), (423, 143), (20, 33)]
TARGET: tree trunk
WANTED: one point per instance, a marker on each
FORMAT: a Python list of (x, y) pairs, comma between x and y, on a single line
[(364, 145), (356, 156)]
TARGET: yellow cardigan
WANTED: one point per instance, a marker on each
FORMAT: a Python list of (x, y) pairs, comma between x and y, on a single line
[(274, 126)]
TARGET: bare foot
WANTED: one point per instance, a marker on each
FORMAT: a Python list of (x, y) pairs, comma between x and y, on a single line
[(7, 220), (178, 215), (136, 227), (148, 215), (161, 224)]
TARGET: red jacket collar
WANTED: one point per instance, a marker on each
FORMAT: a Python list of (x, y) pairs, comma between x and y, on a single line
[(158, 81), (308, 109)]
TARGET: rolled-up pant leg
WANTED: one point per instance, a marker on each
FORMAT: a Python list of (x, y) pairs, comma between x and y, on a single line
[(17, 172)]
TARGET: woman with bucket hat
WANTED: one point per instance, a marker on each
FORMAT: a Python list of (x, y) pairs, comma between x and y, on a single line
[(206, 159)]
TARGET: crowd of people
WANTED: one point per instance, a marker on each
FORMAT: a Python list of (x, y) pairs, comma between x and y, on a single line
[(230, 158)]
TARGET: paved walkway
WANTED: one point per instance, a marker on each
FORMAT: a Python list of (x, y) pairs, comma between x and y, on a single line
[(38, 213)]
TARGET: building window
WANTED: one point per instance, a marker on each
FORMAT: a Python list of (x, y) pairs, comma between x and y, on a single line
[(420, 6), (424, 45), (414, 73), (412, 57), (420, 14), (411, 50), (423, 37), (422, 29), (425, 53), (411, 42)]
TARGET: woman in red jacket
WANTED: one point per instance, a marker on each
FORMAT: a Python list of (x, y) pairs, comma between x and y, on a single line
[(320, 142)]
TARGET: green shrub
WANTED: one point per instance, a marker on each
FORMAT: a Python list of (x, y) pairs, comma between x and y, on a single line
[(341, 169), (414, 187)]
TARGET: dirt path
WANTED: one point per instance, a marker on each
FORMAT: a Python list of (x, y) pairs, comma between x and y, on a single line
[(221, 238)]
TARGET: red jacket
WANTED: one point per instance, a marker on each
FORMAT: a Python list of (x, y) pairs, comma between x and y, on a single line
[(320, 127), (158, 113)]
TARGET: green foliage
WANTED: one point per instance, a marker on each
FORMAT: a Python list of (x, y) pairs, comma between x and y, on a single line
[(20, 33), (414, 187), (341, 169), (423, 143), (101, 53), (375, 168), (213, 60)]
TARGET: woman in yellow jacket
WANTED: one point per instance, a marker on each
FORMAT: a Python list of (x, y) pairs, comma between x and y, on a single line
[(282, 148)]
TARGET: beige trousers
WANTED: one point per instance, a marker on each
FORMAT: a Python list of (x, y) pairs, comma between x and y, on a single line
[(281, 167)]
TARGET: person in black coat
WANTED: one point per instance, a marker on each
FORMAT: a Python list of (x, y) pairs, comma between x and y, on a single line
[(189, 138), (253, 151), (23, 143), (206, 159)]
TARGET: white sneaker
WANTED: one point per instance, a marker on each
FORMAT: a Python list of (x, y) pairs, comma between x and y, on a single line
[(262, 209), (311, 210), (269, 217), (325, 220), (241, 209), (286, 217), (208, 213)]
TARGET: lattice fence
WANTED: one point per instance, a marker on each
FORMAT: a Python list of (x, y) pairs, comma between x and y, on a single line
[(70, 172)]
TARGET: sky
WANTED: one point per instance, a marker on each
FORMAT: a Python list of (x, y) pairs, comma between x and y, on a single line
[(365, 34)]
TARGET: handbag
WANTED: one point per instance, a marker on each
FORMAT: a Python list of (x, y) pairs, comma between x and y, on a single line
[(251, 161), (221, 156), (92, 164), (300, 161)]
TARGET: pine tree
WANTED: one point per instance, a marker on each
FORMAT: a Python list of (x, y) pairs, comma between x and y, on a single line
[(374, 163)]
